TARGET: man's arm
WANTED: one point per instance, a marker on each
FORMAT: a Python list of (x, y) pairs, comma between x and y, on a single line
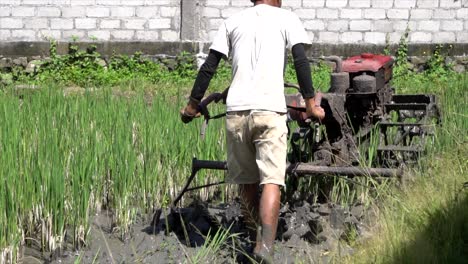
[(304, 78), (204, 76)]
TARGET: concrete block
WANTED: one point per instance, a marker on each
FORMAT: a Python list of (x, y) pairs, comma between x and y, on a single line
[(351, 37), (462, 13), (329, 37), (351, 13), (312, 36), (427, 3), (170, 35), (210, 12), (147, 12), (336, 3), (226, 3), (466, 26), (147, 35), (159, 23), (375, 37), (429, 25), (313, 3), (314, 25), (382, 26), (48, 34), (122, 34), (5, 34), (327, 13), (10, 22), (48, 12), (133, 3), (35, 23), (110, 24), (375, 13), (169, 11), (23, 34), (403, 24), (462, 37), (292, 4), (23, 11), (420, 37), (450, 4), (233, 3), (99, 34), (404, 3), (360, 25), (306, 13), (162, 2), (398, 13), (134, 23), (451, 25), (418, 14), (394, 37), (73, 34), (5, 11), (338, 25), (122, 11), (85, 23), (444, 37), (74, 11), (382, 3), (82, 2), (211, 35), (61, 2), (11, 2), (97, 11), (61, 23), (444, 14), (359, 3), (35, 2), (106, 2), (214, 23), (227, 12)]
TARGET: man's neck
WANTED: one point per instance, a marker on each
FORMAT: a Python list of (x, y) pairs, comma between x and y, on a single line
[(274, 3)]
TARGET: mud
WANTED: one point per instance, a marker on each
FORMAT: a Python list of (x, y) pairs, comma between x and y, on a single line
[(310, 233)]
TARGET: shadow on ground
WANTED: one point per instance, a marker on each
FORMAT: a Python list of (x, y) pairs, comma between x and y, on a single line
[(444, 239)]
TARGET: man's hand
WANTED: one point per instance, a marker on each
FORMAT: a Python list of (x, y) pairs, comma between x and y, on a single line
[(191, 111), (313, 108)]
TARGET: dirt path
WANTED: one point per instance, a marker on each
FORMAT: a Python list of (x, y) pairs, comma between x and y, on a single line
[(306, 233)]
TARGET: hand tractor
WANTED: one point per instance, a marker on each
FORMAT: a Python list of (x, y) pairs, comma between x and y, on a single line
[(363, 118)]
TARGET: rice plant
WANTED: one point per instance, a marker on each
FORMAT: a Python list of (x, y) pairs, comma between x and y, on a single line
[(64, 158)]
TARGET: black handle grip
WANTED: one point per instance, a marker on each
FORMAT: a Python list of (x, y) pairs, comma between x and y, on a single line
[(208, 164)]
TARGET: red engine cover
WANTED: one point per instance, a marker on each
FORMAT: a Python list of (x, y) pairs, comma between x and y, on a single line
[(366, 62)]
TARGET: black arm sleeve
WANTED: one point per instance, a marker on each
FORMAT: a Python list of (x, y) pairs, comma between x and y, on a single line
[(302, 66), (206, 72)]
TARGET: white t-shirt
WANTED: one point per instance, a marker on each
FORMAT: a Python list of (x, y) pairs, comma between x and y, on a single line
[(256, 39)]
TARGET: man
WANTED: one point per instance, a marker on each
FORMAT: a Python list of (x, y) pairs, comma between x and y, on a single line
[(256, 39)]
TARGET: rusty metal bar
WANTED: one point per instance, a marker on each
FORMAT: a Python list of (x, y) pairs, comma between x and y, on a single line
[(302, 169)]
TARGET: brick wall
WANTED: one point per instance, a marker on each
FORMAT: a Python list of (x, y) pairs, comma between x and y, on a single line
[(327, 21), (362, 21), (103, 20)]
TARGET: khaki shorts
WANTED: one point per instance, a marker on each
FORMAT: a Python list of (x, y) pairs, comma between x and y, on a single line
[(256, 145)]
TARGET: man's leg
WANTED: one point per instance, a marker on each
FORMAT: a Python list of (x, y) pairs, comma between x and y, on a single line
[(249, 194), (269, 213)]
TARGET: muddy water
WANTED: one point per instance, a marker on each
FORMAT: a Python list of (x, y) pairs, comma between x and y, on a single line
[(306, 232)]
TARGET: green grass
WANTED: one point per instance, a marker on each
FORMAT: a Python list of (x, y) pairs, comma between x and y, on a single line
[(63, 158)]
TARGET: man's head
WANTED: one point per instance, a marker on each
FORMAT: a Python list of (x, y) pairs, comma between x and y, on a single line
[(276, 3)]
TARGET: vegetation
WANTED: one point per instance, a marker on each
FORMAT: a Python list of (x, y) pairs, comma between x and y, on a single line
[(118, 145)]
